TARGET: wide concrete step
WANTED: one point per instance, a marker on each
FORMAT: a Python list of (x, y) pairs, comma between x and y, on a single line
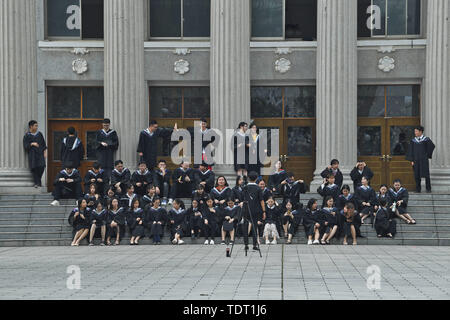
[(35, 228), (33, 221)]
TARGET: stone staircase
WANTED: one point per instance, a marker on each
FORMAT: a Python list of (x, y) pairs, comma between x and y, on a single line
[(29, 220)]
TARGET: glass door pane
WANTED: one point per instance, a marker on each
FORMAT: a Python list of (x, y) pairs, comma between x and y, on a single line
[(267, 18)]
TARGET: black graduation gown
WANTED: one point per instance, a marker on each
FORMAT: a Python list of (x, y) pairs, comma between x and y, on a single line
[(310, 218), (99, 218), (123, 177), (201, 198), (253, 196), (35, 154), (221, 195), (240, 142), (326, 215), (338, 176), (92, 200), (79, 222), (214, 218), (145, 178), (383, 224), (357, 177), (147, 201), (275, 180), (208, 176), (181, 188), (125, 201), (329, 190), (65, 189), (401, 194), (92, 175), (179, 221), (137, 230), (195, 221), (341, 201), (233, 213), (419, 153), (159, 179), (267, 193), (148, 143), (237, 194), (366, 195), (118, 217), (152, 217), (72, 152), (105, 155), (292, 191), (254, 161), (273, 216)]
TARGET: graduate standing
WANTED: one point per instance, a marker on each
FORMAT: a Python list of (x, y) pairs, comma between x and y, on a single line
[(72, 150), (333, 169), (148, 141), (35, 146), (420, 150), (107, 143)]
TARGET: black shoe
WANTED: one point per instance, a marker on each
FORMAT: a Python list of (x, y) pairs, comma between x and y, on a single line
[(255, 248), (246, 248)]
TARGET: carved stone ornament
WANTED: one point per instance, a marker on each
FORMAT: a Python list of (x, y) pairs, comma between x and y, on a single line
[(386, 49), (386, 64), (81, 51), (282, 65), (181, 66), (280, 51), (182, 51), (79, 66)]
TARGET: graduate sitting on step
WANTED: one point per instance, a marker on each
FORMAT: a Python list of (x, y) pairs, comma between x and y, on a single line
[(141, 178), (126, 200), (115, 222), (366, 199), (109, 196), (79, 219), (267, 193), (135, 221), (177, 221), (291, 189), (96, 176), (230, 217), (276, 178), (399, 202), (92, 197), (211, 216), (272, 222), (200, 195), (385, 226), (329, 188), (149, 197), (67, 185), (383, 193), (221, 192), (296, 220), (98, 221), (182, 181), (311, 222), (329, 220), (194, 216), (161, 178), (155, 220), (333, 168), (351, 225), (344, 197), (205, 177), (120, 178), (238, 189)]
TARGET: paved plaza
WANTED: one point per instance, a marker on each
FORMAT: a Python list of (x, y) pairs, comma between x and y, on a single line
[(204, 272)]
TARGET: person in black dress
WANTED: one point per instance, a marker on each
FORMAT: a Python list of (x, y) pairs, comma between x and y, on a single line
[(79, 219), (329, 219), (107, 143), (156, 218), (141, 179), (96, 176), (350, 227), (92, 197), (329, 188), (267, 193), (182, 181), (135, 221), (272, 222), (194, 216), (384, 225), (72, 150), (399, 202), (35, 146), (177, 221), (120, 178), (98, 221), (419, 152), (115, 222), (277, 177), (311, 222), (221, 192), (359, 171), (67, 185), (205, 177), (211, 217), (366, 198), (333, 168), (291, 189), (230, 217)]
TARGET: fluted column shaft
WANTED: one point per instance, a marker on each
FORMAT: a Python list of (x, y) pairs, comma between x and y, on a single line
[(336, 85), (437, 87), (125, 90), (18, 88), (230, 63)]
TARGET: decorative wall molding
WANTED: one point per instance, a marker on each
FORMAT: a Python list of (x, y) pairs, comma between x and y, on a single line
[(81, 51), (181, 66), (182, 51), (79, 66), (386, 49), (386, 64), (282, 65), (280, 51)]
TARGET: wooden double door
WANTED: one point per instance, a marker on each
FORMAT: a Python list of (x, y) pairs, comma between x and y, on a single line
[(297, 144), (57, 130), (383, 144)]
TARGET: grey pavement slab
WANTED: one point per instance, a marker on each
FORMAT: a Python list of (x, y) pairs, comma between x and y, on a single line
[(204, 273)]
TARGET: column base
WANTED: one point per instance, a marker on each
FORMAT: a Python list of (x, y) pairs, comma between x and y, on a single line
[(318, 180), (13, 181), (440, 180)]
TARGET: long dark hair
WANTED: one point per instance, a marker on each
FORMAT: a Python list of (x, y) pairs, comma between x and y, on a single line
[(310, 204)]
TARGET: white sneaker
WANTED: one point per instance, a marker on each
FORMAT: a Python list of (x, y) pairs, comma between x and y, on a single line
[(211, 242), (180, 242), (316, 242), (274, 241), (309, 242), (174, 241), (55, 203), (206, 242), (267, 242), (170, 202)]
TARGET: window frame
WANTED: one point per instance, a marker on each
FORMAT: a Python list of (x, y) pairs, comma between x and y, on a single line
[(182, 37), (80, 38), (81, 118), (401, 36)]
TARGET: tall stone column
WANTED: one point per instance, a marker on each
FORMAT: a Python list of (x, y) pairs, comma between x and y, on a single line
[(18, 91), (229, 68), (336, 87), (437, 87), (125, 89)]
